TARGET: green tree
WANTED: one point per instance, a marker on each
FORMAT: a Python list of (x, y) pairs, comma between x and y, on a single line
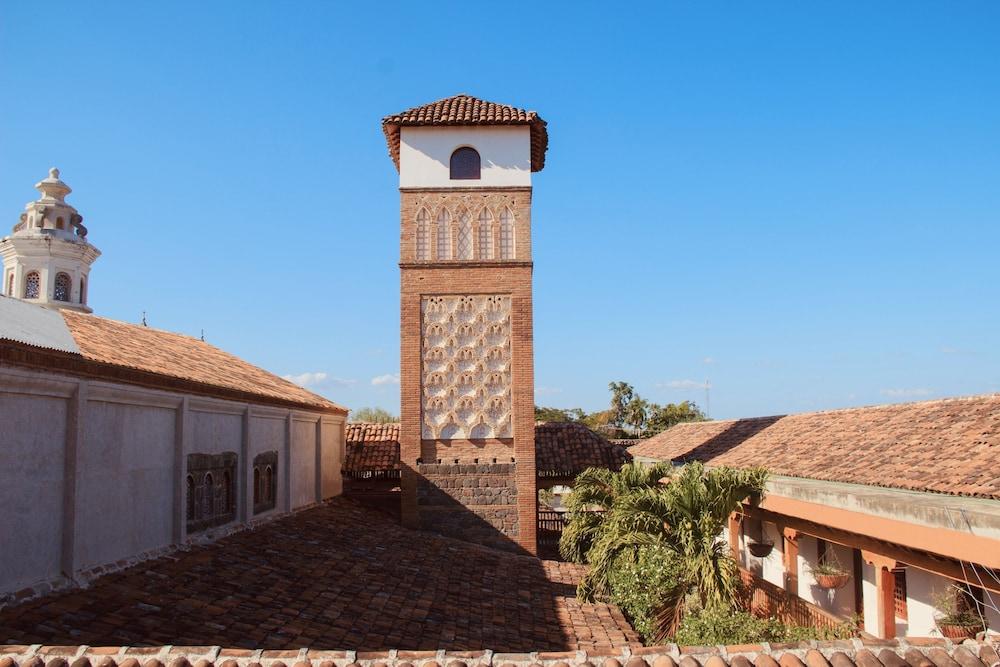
[(622, 394), (373, 416), (662, 417), (543, 414), (616, 517)]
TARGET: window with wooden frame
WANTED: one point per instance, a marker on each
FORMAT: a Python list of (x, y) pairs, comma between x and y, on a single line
[(899, 592), (465, 164)]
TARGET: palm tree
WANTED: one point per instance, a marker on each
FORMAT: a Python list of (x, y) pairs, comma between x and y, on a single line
[(614, 516)]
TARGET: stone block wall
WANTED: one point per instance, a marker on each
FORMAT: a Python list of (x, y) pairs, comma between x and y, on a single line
[(474, 502)]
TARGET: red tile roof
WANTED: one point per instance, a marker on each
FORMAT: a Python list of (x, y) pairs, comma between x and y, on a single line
[(171, 355), (561, 449), (944, 446), (335, 576), (467, 110), (372, 449), (567, 449), (916, 651)]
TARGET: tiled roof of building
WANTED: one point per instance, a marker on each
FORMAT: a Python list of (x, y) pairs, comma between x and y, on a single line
[(372, 449), (332, 577), (467, 110), (561, 449), (944, 446), (110, 345), (567, 449), (912, 652)]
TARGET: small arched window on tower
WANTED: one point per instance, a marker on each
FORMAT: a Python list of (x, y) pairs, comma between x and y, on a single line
[(83, 290), (32, 285), (63, 286), (444, 235), (463, 245), (485, 234), (423, 236), (506, 234), (465, 164)]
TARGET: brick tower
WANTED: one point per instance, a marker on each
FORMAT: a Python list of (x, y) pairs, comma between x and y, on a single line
[(467, 371)]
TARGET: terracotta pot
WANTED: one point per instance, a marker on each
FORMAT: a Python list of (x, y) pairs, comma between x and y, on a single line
[(833, 580), (760, 549), (958, 631)]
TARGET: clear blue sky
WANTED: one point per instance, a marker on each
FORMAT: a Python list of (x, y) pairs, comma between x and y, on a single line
[(799, 202)]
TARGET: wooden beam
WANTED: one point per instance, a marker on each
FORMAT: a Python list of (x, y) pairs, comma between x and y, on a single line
[(791, 559), (885, 592), (734, 535)]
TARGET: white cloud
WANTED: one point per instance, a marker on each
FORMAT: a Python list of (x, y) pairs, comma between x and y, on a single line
[(904, 393), (317, 379), (684, 384), (388, 378), (708, 360)]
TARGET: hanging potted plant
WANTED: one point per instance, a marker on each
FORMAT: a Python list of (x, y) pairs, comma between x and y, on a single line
[(830, 575), (760, 549), (955, 619)]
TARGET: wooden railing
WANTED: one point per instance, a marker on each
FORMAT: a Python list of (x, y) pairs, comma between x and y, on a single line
[(765, 600)]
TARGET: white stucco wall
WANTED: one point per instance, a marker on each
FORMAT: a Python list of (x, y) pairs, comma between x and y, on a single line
[(425, 155), (128, 456), (839, 601), (125, 471), (772, 567), (31, 448)]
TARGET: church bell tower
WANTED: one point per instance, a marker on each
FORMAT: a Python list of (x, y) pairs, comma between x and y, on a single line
[(467, 371), (46, 257)]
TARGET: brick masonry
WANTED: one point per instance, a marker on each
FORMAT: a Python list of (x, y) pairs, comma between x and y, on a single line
[(515, 522)]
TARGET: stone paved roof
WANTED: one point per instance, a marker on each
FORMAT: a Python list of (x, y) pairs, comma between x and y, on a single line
[(173, 355), (943, 446), (335, 576), (372, 449), (467, 110), (869, 653), (567, 449)]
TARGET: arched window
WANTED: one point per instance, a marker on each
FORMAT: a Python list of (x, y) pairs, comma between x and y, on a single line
[(506, 234), (423, 236), (227, 493), (189, 500), (463, 245), (268, 485), (208, 497), (83, 290), (63, 286), (444, 235), (485, 234), (465, 164), (256, 486), (32, 285), (60, 224)]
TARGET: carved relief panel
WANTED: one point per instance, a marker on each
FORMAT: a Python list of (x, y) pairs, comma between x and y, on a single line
[(466, 375)]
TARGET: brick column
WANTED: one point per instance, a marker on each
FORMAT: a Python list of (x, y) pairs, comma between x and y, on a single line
[(791, 559)]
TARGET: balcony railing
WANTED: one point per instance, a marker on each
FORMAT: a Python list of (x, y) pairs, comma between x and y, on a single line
[(766, 600)]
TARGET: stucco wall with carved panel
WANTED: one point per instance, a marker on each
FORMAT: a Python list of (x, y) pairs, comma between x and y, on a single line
[(466, 367)]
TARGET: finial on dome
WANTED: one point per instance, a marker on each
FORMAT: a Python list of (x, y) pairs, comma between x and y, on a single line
[(53, 173)]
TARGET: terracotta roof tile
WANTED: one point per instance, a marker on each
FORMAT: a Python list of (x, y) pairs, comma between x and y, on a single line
[(177, 356), (942, 446), (372, 448), (567, 449), (467, 110)]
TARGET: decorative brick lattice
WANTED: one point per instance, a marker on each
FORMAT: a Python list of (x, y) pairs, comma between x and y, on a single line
[(466, 367)]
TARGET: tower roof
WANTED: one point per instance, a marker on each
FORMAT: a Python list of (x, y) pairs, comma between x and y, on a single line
[(464, 109)]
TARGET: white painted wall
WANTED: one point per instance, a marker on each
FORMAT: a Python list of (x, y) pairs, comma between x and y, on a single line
[(32, 441), (425, 155), (125, 472), (838, 601), (128, 458), (869, 595), (773, 568)]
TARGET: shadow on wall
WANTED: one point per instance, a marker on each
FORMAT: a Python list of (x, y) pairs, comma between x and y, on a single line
[(737, 433), (337, 576)]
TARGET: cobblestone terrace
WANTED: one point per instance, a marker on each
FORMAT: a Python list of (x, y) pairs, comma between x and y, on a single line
[(336, 576)]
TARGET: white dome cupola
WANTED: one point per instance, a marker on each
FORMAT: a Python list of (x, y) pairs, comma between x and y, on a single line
[(47, 258)]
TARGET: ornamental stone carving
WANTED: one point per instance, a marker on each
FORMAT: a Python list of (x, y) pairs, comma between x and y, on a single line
[(466, 374)]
